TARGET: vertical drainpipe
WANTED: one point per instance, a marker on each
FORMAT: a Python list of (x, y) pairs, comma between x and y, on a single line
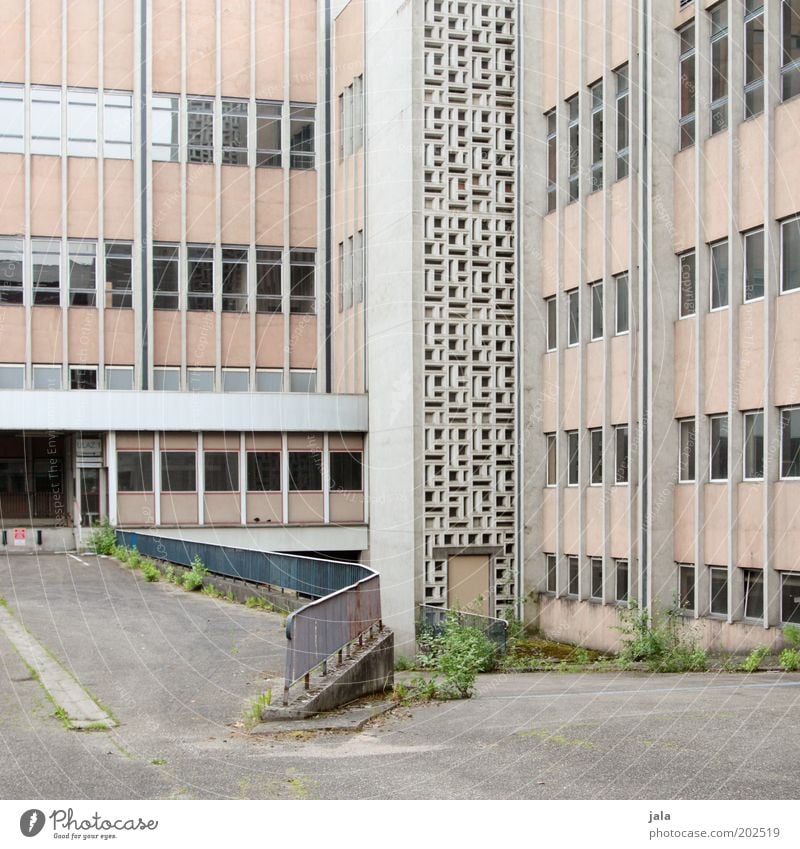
[(328, 203), (519, 352), (143, 182), (646, 477)]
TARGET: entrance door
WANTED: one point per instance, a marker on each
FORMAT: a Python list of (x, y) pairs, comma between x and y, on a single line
[(90, 497), (468, 582)]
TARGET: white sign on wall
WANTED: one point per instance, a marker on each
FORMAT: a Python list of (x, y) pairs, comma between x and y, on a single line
[(20, 536)]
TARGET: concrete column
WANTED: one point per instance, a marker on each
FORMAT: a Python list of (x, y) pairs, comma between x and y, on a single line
[(111, 448)]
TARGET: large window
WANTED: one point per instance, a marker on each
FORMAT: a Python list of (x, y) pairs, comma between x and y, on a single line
[(596, 568), (754, 445), (719, 275), (573, 458), (719, 448), (200, 129), (221, 471), (46, 120), (552, 459), (305, 471), (753, 57), (596, 93), (623, 129), (622, 310), (178, 471), (790, 598), (573, 574), (790, 443), (573, 127), (719, 592), (12, 118), (165, 129), (11, 255), (754, 265), (552, 573), (719, 67), (688, 282), (790, 274), (790, 69), (302, 294), (81, 123), (165, 277), (596, 448), (552, 324), (552, 159), (573, 317), (268, 135), (119, 275), (597, 310), (686, 462), (135, 471), (346, 471), (621, 461), (301, 130), (200, 267), (754, 593), (82, 273), (268, 280), (234, 132), (234, 279), (46, 268), (621, 583), (688, 86), (686, 582), (264, 471)]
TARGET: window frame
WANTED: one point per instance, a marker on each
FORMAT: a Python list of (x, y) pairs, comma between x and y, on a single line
[(596, 446), (573, 458), (750, 415), (113, 252), (172, 148), (620, 564), (551, 323), (235, 257), (622, 481), (16, 369), (691, 595), (50, 295), (234, 111), (691, 459), (784, 411), (353, 453), (551, 560), (13, 142), (712, 419), (199, 257), (574, 147), (686, 309), (573, 317), (127, 451), (719, 248), (573, 591), (166, 299), (622, 115), (551, 146), (793, 576), (597, 310), (551, 460), (231, 462), (194, 371), (712, 596), (291, 481), (40, 368), (164, 454), (791, 67), (756, 85), (757, 576), (720, 105), (596, 120), (164, 371), (618, 279), (687, 121), (78, 293), (119, 369), (230, 373), (793, 220), (254, 453), (746, 238), (200, 151), (594, 563), (75, 370), (12, 292)]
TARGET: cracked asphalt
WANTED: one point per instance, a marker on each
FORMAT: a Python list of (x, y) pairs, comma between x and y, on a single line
[(177, 670)]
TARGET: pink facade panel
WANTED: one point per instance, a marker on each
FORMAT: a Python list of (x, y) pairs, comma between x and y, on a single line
[(593, 522), (347, 508), (619, 244), (45, 196), (82, 33), (716, 361), (12, 192), (83, 335), (570, 532), (118, 192), (751, 356), (235, 339), (46, 42), (269, 341), (178, 508), (786, 355), (684, 189), (619, 32), (594, 35), (787, 175), (305, 508), (201, 40), (619, 523), (716, 196), (135, 509), (594, 240), (595, 385), (303, 209), (269, 49), (201, 339), (549, 255), (571, 41), (303, 50), (82, 198), (12, 59), (119, 337), (167, 201), (549, 42), (201, 205), (12, 334), (786, 529), (549, 523), (166, 46), (303, 336), (751, 173), (264, 508), (46, 335), (750, 525), (222, 508), (715, 526), (685, 367), (269, 206), (235, 54), (235, 205), (571, 266), (620, 379), (572, 391), (683, 535), (166, 338), (118, 36)]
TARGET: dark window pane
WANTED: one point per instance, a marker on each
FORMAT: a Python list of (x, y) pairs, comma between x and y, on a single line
[(574, 576), (572, 459), (754, 593), (551, 573), (790, 599), (597, 311), (264, 471), (119, 275), (165, 277), (135, 471), (687, 271), (597, 578), (302, 296), (597, 455), (201, 278), (305, 471), (234, 280), (719, 591), (790, 443), (719, 275), (10, 271), (754, 265), (178, 471), (791, 255), (346, 471), (83, 378), (221, 471), (719, 448), (621, 451), (622, 580), (754, 446), (686, 587)]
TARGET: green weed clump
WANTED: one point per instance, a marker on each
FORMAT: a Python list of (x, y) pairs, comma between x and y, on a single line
[(150, 570), (193, 579), (753, 660), (103, 539), (254, 711), (661, 640), (790, 656)]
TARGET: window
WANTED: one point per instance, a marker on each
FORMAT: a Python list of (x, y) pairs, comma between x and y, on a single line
[(688, 302), (46, 269), (346, 471), (117, 126), (719, 275), (552, 459), (167, 379), (573, 128), (268, 281), (235, 380), (552, 159), (573, 575), (358, 267), (165, 128), (46, 120), (234, 132), (597, 311), (790, 70), (200, 129), (221, 471), (688, 86), (753, 593), (790, 269), (596, 93), (754, 265), (178, 471), (47, 377), (12, 118), (347, 121), (119, 378), (573, 458), (12, 377), (303, 265), (790, 598), (550, 565), (358, 112), (200, 262), (234, 279), (82, 377), (621, 454), (596, 448), (268, 135), (719, 448), (269, 381), (790, 443), (596, 567), (200, 379), (302, 381), (264, 471), (11, 266), (622, 304), (622, 587), (753, 58), (686, 587), (135, 471), (552, 324), (719, 592), (719, 67), (165, 277), (573, 317), (754, 445), (119, 275), (623, 131), (81, 123), (82, 273), (305, 471), (686, 462), (301, 130)]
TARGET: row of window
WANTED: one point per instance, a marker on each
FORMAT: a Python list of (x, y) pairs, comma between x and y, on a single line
[(753, 269), (351, 118), (621, 577), (753, 59), (100, 122), (351, 270), (596, 452), (621, 294), (221, 471), (621, 140), (164, 379), (87, 262)]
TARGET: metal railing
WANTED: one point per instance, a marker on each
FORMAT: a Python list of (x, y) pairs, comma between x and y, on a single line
[(431, 621), (29, 505), (346, 605)]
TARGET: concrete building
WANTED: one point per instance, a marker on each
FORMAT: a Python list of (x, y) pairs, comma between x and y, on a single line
[(496, 295)]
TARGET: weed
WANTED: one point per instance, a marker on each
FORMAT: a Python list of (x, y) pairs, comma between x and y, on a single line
[(662, 640), (61, 714), (150, 570), (119, 552), (193, 579), (463, 653), (254, 601), (103, 539), (158, 761), (211, 591), (753, 660), (253, 712), (134, 558), (403, 664), (96, 726), (790, 660), (791, 634), (229, 596)]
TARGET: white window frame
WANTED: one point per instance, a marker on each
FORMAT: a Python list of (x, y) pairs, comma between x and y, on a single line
[(745, 416), (551, 439), (711, 420), (745, 239), (711, 248), (119, 369), (681, 422), (792, 220), (781, 410)]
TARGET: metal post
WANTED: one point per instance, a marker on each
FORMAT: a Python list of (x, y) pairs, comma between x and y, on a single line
[(340, 658), (324, 668), (307, 681), (285, 695)]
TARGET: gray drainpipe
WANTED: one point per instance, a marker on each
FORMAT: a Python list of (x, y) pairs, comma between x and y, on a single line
[(644, 553)]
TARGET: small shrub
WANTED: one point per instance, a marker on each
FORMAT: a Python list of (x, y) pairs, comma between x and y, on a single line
[(193, 579), (790, 660), (103, 539), (662, 640), (150, 570), (120, 553), (229, 596), (211, 591), (753, 660), (403, 664), (134, 558), (254, 711), (254, 601), (791, 633), (464, 652)]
